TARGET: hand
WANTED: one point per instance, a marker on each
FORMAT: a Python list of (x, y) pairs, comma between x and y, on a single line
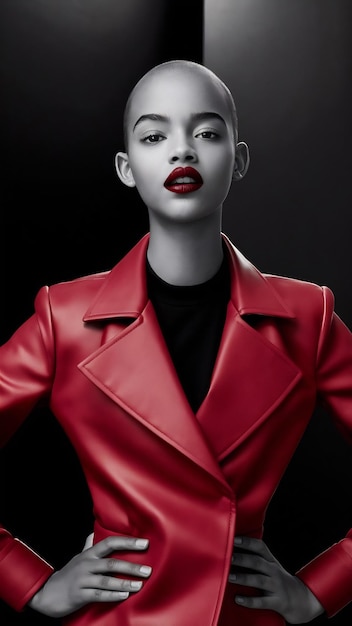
[(281, 592), (89, 577)]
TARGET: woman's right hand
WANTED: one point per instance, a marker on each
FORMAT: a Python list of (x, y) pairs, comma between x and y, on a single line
[(90, 577)]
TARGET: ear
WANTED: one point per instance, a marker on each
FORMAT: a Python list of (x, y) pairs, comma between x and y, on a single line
[(123, 169), (241, 161)]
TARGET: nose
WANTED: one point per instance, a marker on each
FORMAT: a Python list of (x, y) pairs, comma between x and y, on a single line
[(183, 151)]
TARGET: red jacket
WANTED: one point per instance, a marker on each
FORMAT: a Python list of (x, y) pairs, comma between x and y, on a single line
[(155, 469)]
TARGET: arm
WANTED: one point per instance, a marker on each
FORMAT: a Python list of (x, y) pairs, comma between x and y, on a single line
[(27, 366), (324, 584), (334, 384), (25, 377)]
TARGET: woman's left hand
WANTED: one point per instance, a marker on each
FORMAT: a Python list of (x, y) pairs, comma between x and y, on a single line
[(280, 591)]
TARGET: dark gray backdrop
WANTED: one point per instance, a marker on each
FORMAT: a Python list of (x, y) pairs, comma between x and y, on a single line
[(289, 67)]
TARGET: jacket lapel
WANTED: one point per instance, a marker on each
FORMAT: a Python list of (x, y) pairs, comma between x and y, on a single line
[(250, 379), (133, 366), (252, 375)]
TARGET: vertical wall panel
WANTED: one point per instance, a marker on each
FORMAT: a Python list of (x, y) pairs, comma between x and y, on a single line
[(288, 64)]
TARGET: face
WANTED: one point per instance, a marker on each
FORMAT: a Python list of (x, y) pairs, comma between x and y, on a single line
[(181, 149)]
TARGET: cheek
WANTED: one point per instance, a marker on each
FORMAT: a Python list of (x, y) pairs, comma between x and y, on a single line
[(222, 171), (148, 182), (144, 167), (227, 159), (220, 176), (220, 161), (142, 173)]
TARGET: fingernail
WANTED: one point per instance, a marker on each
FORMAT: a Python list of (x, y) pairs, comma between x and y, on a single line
[(145, 569), (239, 599), (141, 543), (136, 584), (238, 541), (124, 595)]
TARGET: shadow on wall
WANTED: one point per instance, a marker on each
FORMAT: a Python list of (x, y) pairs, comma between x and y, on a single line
[(67, 69)]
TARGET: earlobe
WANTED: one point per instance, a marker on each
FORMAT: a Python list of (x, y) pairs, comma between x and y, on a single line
[(241, 161), (123, 169)]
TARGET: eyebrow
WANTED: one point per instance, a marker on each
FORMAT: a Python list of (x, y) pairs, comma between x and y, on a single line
[(197, 117)]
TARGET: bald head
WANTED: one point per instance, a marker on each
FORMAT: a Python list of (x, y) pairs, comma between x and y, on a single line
[(177, 67)]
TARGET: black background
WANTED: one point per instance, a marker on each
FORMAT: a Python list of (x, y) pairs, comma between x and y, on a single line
[(66, 70)]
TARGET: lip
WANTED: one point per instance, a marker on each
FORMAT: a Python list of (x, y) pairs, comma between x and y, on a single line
[(182, 172)]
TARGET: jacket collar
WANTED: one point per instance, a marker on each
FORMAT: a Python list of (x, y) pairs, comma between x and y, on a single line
[(133, 367), (124, 291)]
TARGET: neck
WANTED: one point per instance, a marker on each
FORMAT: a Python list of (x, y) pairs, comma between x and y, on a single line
[(185, 253)]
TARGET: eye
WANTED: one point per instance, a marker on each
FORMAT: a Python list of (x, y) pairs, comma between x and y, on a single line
[(153, 138), (207, 134)]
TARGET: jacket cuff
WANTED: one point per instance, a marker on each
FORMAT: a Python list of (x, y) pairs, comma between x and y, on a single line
[(329, 577), (22, 573)]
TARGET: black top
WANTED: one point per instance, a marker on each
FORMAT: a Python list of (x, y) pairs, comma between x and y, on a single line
[(191, 319)]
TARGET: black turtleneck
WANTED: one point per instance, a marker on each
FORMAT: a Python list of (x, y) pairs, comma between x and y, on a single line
[(191, 319)]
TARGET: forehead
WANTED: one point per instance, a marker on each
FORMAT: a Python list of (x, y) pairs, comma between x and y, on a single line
[(178, 92)]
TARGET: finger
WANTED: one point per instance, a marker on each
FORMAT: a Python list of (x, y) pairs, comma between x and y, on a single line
[(88, 542), (118, 566), (254, 602), (117, 542), (254, 545), (111, 583), (251, 561), (262, 582), (103, 595)]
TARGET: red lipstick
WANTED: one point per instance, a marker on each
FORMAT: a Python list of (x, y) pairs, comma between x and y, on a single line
[(183, 180)]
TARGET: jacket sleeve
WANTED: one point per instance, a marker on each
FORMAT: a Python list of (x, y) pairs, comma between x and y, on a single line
[(329, 575), (26, 371)]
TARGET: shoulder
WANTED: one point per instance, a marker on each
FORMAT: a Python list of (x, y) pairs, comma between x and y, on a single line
[(74, 294), (274, 294), (302, 297)]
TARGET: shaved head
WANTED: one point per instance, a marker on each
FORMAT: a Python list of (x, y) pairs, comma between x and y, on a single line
[(181, 66)]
